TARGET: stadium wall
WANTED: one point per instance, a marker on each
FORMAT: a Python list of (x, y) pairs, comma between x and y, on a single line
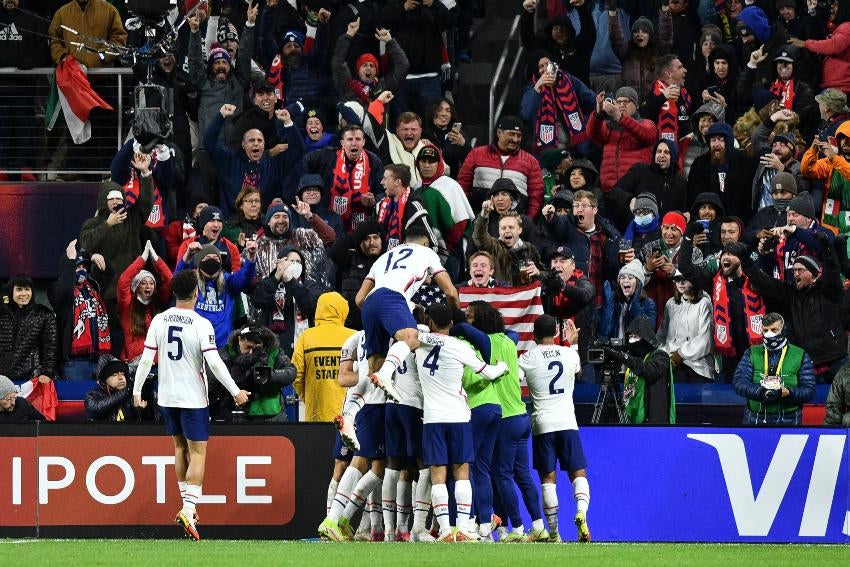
[(647, 483)]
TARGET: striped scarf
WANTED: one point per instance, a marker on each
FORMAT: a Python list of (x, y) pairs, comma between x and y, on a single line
[(753, 312), (596, 266), (786, 91), (668, 116), (559, 104)]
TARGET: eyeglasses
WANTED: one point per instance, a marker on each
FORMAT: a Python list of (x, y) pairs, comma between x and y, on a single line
[(623, 100), (251, 201), (582, 206), (9, 398)]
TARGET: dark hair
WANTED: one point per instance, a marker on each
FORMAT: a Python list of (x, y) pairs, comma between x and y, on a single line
[(416, 232), (184, 284), (663, 62), (771, 318), (441, 315), (487, 318), (350, 128), (544, 327), (431, 112), (20, 280), (420, 315), (696, 293), (400, 172)]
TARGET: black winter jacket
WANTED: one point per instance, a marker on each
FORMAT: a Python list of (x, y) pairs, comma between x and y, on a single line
[(103, 403), (27, 341)]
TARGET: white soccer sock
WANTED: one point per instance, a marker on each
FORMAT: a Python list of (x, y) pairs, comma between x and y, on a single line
[(404, 505), (344, 490), (440, 501), (365, 517), (395, 357), (537, 524), (375, 513), (388, 505), (190, 499), (332, 486), (353, 404), (364, 486), (181, 484), (463, 499), (581, 492), (550, 505), (423, 500)]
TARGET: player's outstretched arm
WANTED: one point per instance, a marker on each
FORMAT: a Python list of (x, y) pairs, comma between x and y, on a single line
[(365, 288), (222, 374), (467, 357), (142, 372), (445, 282)]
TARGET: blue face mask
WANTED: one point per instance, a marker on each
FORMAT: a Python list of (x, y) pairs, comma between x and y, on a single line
[(643, 220), (81, 276)]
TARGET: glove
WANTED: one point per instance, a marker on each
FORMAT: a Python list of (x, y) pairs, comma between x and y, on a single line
[(614, 354), (769, 396)]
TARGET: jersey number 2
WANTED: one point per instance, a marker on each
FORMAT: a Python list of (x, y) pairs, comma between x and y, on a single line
[(552, 389), (174, 338), (431, 360), (403, 254)]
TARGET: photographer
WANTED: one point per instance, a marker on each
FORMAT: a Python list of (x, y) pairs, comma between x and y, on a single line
[(257, 364), (648, 387)]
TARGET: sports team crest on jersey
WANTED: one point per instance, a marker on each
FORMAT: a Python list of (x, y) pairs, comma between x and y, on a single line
[(212, 338), (721, 332), (547, 133), (575, 121), (340, 205)]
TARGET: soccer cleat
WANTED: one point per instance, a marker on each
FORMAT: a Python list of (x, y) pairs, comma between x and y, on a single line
[(346, 432), (386, 386), (362, 536), (535, 536), (402, 536), (495, 522), (345, 528), (422, 535), (554, 537), (377, 536), (330, 530), (446, 537), (463, 537), (188, 525), (581, 527), (512, 537)]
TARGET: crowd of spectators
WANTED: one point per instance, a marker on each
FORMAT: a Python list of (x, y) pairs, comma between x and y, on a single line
[(683, 163)]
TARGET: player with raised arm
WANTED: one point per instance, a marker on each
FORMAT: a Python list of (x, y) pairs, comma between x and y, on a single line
[(447, 432), (386, 307), (184, 341), (550, 371)]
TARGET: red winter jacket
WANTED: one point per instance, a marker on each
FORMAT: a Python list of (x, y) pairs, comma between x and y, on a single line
[(621, 148), (483, 166), (836, 64), (135, 344)]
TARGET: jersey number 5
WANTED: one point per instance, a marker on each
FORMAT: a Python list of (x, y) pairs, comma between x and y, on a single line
[(174, 338), (552, 389)]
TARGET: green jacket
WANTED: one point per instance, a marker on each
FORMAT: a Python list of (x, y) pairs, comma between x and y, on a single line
[(838, 400)]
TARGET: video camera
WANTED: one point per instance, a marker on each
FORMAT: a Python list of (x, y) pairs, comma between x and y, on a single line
[(260, 372), (151, 10), (596, 355)]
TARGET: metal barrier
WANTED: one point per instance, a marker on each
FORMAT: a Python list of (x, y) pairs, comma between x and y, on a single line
[(496, 109), (26, 146)]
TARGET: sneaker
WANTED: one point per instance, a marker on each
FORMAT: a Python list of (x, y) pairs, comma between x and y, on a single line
[(386, 386), (535, 536), (447, 537), (501, 532), (188, 525), (581, 527), (329, 530), (345, 528), (463, 537), (363, 536), (422, 535), (346, 432), (402, 536), (555, 537), (512, 537)]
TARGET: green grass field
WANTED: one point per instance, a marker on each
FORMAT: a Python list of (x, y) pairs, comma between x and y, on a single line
[(244, 553)]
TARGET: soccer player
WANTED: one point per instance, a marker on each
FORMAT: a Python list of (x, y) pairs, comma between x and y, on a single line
[(185, 341), (550, 371), (386, 307), (447, 432)]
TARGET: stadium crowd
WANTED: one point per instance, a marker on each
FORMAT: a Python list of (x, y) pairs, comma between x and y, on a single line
[(682, 163)]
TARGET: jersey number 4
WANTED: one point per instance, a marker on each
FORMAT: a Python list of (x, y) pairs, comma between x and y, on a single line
[(403, 254), (554, 382), (431, 361), (176, 342)]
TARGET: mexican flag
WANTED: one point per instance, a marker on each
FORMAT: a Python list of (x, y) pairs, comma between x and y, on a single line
[(71, 93)]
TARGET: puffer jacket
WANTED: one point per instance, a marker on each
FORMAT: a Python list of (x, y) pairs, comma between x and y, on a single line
[(27, 340), (639, 64), (836, 63), (103, 403), (609, 319), (119, 244), (838, 400), (629, 143)]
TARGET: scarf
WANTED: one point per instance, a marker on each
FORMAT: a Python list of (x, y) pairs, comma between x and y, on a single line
[(668, 116), (786, 91), (156, 219), (633, 227), (786, 255), (565, 308), (275, 76), (753, 312), (837, 204), (252, 174), (361, 90), (91, 323), (350, 181), (559, 104), (188, 228), (401, 156), (391, 218)]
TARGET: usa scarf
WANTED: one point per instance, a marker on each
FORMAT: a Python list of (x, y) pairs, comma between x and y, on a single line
[(753, 312), (668, 116), (559, 104), (91, 323), (350, 180), (275, 76), (785, 90), (156, 219), (391, 218)]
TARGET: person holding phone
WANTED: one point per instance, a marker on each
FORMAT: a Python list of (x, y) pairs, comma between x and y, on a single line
[(836, 159)]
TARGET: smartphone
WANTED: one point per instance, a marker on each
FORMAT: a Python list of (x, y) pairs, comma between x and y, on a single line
[(120, 208), (456, 127), (713, 89), (656, 252)]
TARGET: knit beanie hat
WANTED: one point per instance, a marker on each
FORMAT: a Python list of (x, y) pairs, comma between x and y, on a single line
[(629, 93), (784, 181), (108, 365), (7, 387), (219, 53), (810, 263), (276, 208), (366, 58), (676, 219), (209, 214), (138, 279), (756, 20), (643, 24), (227, 32), (204, 251), (647, 201), (634, 268), (802, 205)]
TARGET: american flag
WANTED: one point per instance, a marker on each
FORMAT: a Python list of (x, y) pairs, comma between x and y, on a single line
[(519, 306)]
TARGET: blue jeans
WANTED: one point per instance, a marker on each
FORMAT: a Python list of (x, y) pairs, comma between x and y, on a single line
[(80, 370), (486, 421), (512, 466), (415, 95)]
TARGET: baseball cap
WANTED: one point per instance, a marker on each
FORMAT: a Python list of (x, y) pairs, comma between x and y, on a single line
[(509, 123), (263, 86), (785, 55), (428, 153), (562, 250)]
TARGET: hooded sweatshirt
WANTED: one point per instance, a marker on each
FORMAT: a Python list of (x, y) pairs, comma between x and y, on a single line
[(694, 144), (449, 211), (316, 358)]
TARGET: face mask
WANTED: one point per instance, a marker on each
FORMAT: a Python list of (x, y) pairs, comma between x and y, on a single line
[(638, 347), (81, 276), (643, 220), (774, 341), (294, 270), (780, 206), (210, 267)]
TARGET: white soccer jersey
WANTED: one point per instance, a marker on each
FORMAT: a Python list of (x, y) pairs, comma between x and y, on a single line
[(404, 269), (181, 337), (406, 382), (550, 371), (440, 361), (354, 349)]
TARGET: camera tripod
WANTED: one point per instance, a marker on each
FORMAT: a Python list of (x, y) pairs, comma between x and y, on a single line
[(609, 396)]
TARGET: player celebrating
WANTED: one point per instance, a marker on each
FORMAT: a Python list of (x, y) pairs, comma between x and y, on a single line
[(185, 340), (447, 432), (550, 371), (386, 307)]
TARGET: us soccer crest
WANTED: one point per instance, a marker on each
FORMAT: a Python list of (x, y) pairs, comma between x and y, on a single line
[(340, 205), (755, 323), (575, 121), (156, 214), (547, 134), (721, 332)]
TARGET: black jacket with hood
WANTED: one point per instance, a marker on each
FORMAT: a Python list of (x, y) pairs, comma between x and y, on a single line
[(575, 55), (713, 245)]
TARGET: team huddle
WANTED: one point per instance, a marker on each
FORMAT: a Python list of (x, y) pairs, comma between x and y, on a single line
[(434, 401)]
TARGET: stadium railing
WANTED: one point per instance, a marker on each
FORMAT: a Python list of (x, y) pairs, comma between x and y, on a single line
[(496, 107)]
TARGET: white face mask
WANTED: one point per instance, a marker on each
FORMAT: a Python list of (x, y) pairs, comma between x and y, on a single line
[(769, 334), (633, 339), (294, 270)]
